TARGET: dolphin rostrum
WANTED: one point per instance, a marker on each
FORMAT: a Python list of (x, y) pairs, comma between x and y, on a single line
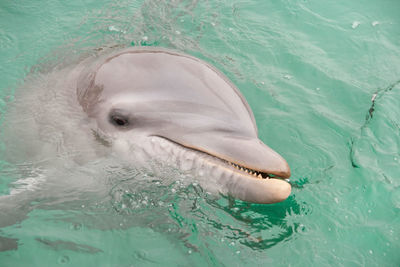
[(178, 108)]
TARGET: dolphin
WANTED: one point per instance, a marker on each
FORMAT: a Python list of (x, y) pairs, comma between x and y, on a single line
[(177, 108)]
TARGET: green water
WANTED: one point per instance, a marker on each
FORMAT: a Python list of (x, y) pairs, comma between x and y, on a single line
[(323, 80)]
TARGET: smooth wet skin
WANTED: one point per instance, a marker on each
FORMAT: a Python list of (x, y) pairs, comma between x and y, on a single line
[(160, 93)]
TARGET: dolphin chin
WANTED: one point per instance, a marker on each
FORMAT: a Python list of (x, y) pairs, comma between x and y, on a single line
[(187, 113)]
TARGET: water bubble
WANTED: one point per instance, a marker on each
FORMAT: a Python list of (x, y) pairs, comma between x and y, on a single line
[(63, 259), (178, 32), (371, 252), (113, 28), (374, 23), (355, 24), (76, 226), (190, 251), (396, 198)]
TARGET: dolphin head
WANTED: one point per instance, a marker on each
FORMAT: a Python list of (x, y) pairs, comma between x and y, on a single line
[(179, 105)]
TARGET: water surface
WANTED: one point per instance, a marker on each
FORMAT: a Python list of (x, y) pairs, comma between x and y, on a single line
[(323, 80)]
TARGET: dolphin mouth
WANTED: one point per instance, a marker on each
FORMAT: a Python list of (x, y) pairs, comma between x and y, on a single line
[(242, 170), (234, 165)]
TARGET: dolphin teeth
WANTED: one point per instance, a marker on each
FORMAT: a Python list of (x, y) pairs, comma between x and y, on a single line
[(256, 174)]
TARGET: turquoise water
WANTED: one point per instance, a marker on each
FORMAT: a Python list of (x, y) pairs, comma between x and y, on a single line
[(323, 80)]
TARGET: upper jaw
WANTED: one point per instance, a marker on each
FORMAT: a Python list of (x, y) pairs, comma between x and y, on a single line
[(248, 157), (247, 152)]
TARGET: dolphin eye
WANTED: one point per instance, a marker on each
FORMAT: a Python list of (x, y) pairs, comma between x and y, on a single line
[(119, 120)]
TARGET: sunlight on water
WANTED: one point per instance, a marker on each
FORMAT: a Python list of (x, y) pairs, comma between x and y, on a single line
[(323, 80)]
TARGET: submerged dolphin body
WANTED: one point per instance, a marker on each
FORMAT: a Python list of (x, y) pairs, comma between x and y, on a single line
[(177, 108)]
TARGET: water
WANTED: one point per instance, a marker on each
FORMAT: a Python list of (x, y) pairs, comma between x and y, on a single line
[(323, 80)]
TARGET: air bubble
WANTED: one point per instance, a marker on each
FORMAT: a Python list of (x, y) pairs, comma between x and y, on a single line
[(355, 24), (63, 259), (374, 23)]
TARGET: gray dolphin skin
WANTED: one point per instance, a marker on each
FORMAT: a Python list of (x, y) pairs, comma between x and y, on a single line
[(179, 109)]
